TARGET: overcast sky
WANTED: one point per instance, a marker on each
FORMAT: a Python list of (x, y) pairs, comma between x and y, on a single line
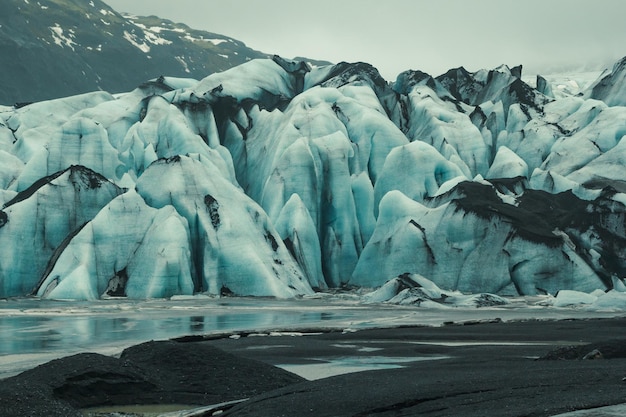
[(430, 35)]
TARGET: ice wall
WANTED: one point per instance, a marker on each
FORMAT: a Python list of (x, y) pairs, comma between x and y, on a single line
[(275, 179)]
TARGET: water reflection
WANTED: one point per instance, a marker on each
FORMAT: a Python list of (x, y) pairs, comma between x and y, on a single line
[(196, 324), (36, 326), (326, 316), (34, 331)]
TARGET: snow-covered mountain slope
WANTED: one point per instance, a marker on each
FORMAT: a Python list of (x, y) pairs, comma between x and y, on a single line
[(55, 48), (275, 179)]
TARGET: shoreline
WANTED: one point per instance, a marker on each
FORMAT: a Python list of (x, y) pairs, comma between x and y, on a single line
[(36, 331), (491, 363)]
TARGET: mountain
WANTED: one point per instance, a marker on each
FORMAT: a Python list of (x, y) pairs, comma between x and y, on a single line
[(56, 48), (273, 178)]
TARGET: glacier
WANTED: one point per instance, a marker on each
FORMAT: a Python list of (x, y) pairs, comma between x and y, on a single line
[(278, 179)]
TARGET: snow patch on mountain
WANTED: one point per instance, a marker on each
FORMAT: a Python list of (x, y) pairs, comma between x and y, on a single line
[(61, 39), (134, 40)]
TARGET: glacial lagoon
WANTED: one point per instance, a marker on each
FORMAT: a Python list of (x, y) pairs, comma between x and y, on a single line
[(34, 331)]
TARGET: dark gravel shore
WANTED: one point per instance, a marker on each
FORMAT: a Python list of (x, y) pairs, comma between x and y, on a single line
[(475, 369)]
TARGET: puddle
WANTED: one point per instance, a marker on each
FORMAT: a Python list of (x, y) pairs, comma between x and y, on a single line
[(357, 348), (159, 410), (454, 343), (340, 345), (369, 349), (610, 411), (267, 347), (350, 364), (151, 410)]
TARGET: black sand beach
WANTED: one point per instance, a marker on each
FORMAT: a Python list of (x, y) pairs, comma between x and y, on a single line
[(470, 369)]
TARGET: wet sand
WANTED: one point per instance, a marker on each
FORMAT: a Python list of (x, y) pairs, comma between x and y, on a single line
[(490, 369), (471, 369)]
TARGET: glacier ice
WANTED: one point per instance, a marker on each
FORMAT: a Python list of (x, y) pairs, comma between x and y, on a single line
[(612, 87), (80, 141), (414, 289), (297, 229), (146, 255), (454, 243), (417, 170), (277, 179), (10, 169), (43, 217), (235, 248), (507, 164)]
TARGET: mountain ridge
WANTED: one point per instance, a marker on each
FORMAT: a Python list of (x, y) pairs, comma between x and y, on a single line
[(82, 43)]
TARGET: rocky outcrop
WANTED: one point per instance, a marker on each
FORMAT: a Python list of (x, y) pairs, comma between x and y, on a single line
[(150, 373)]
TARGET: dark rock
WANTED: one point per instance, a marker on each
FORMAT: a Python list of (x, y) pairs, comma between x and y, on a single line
[(117, 284), (515, 185), (538, 214), (360, 72), (226, 292), (610, 349), (292, 67), (594, 354), (77, 381), (520, 92), (22, 398), (344, 73), (269, 238), (213, 208), (151, 373), (408, 79), (297, 68), (461, 84), (199, 373), (527, 218)]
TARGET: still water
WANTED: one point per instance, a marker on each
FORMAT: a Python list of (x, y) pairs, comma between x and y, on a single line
[(35, 331)]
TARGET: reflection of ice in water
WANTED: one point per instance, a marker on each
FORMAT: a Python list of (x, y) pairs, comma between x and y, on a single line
[(34, 331), (40, 328)]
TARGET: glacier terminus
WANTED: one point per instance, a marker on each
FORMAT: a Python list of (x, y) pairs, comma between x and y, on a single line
[(278, 178)]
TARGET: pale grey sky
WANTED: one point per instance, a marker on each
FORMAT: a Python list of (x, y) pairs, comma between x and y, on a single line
[(429, 35)]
